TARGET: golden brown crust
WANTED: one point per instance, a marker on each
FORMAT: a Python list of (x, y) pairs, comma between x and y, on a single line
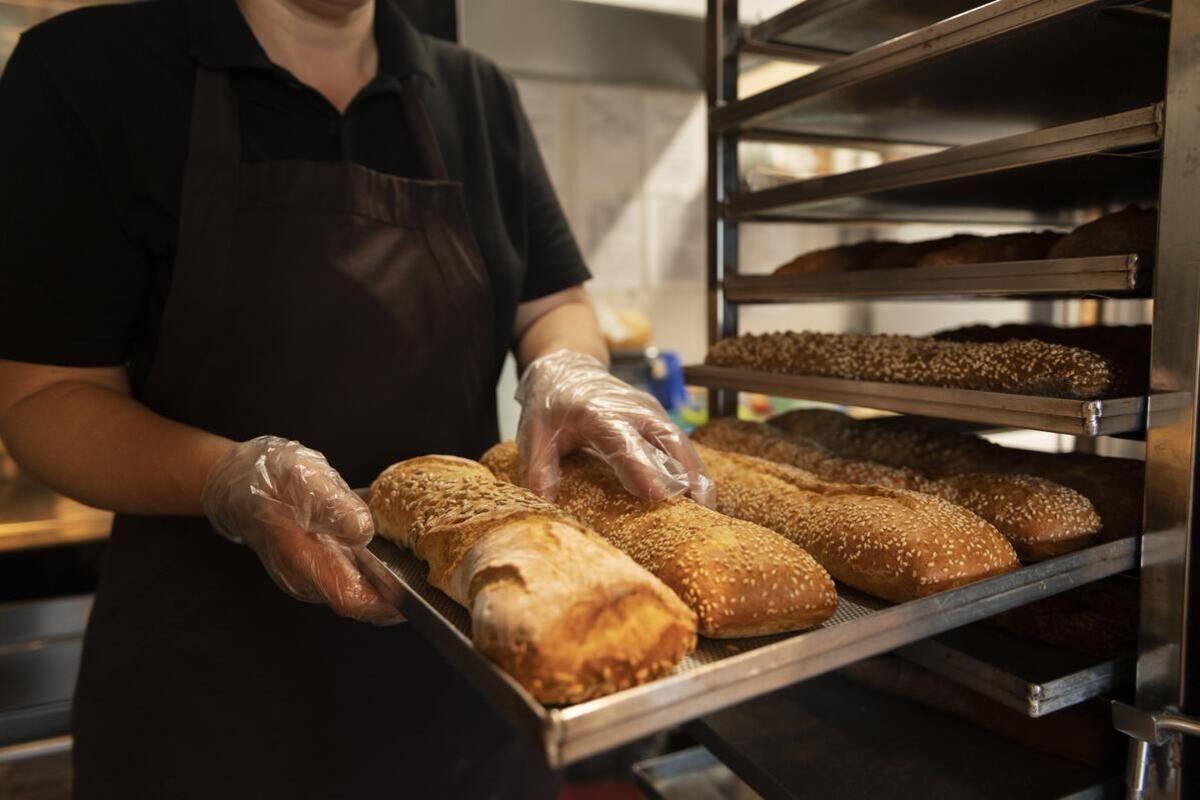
[(739, 578), (1113, 485), (991, 249), (557, 607), (894, 544), (1040, 518), (1021, 367)]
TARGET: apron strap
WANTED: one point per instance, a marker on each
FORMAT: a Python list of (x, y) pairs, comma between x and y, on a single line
[(421, 130), (215, 134)]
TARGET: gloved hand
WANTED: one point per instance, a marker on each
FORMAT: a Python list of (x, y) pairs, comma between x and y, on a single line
[(570, 401), (287, 504)]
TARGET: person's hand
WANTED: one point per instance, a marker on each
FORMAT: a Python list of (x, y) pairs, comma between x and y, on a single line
[(287, 504), (570, 401)]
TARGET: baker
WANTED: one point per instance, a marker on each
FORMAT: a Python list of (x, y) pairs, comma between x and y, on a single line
[(254, 252)]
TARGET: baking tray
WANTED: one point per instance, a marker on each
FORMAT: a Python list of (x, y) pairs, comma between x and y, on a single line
[(1027, 676), (1006, 67), (946, 178), (1058, 415), (1105, 276), (721, 672)]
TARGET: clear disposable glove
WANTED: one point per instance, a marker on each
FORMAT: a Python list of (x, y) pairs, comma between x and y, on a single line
[(287, 504), (570, 401)]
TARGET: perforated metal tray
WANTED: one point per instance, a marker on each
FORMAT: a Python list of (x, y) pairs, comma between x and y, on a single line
[(721, 672)]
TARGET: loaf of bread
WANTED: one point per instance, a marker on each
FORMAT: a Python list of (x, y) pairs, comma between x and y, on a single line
[(890, 543), (739, 578), (1040, 518), (1131, 230), (843, 258), (554, 605), (903, 256), (1113, 485), (991, 249), (1019, 367)]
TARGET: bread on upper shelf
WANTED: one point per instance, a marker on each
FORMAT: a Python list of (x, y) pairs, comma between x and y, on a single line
[(558, 608), (1131, 230), (1019, 367), (740, 579), (992, 249)]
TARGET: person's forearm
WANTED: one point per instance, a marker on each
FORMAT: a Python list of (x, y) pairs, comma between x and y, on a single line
[(571, 326), (102, 447)]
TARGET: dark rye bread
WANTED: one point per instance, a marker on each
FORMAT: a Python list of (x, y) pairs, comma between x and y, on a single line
[(1131, 230), (893, 544), (1113, 485), (740, 579), (1040, 518), (1018, 367), (990, 249), (843, 258), (903, 256)]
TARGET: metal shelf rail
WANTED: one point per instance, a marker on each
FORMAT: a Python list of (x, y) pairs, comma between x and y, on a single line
[(1033, 70)]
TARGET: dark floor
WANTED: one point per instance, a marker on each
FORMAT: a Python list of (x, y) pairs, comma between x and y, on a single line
[(45, 778)]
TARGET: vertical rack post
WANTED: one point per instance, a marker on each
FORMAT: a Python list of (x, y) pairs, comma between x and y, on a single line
[(1167, 547), (722, 33)]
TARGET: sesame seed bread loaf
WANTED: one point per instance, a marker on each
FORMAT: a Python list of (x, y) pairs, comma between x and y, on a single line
[(557, 607), (739, 578), (891, 543), (1040, 518), (1020, 367), (1113, 485)]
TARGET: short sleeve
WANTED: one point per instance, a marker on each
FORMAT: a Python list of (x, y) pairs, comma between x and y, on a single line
[(554, 260), (73, 286)]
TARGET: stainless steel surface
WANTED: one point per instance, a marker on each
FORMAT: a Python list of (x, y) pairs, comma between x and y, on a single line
[(692, 774), (1108, 276), (1156, 728), (1171, 447), (1058, 415), (1068, 147), (721, 30), (1000, 69), (38, 749), (841, 27), (1027, 676), (723, 672), (835, 738)]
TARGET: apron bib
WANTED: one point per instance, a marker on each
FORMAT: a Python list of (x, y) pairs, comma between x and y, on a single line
[(351, 310)]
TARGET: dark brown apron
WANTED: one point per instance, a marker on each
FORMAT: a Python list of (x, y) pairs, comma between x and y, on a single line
[(350, 310)]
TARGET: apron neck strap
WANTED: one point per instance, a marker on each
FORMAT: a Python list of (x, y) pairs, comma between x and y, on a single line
[(215, 133)]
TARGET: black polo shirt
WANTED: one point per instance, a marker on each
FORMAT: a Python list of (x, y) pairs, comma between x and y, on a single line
[(94, 117)]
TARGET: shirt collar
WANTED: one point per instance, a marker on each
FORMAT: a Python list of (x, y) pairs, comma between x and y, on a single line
[(218, 37)]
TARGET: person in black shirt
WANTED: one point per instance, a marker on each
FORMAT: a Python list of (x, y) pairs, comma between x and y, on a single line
[(254, 252)]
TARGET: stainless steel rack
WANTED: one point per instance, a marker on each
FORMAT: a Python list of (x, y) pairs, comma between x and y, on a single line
[(1106, 417), (722, 672), (1046, 108), (1102, 276)]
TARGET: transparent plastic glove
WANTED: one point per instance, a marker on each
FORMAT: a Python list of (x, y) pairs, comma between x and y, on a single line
[(287, 504), (570, 401)]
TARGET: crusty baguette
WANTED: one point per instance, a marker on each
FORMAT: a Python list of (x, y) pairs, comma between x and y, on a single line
[(891, 543), (554, 605), (1113, 485), (1019, 367), (739, 578), (1040, 518)]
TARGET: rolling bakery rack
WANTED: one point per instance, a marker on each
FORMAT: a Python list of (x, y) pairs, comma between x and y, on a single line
[(1037, 110), (1043, 109)]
